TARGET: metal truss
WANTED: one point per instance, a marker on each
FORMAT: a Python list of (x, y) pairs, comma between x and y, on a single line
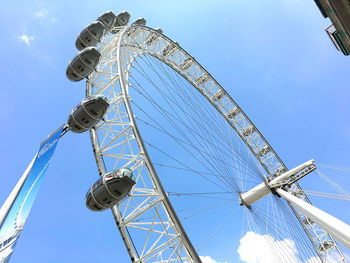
[(146, 220)]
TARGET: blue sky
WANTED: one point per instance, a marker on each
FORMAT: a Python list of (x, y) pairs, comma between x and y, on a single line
[(273, 57)]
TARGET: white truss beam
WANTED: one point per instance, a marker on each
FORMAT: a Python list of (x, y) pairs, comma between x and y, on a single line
[(118, 52), (334, 226)]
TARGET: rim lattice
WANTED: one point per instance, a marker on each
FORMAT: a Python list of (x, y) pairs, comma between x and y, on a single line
[(117, 142)]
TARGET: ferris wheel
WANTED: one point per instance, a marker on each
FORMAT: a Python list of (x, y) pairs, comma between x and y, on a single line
[(179, 133)]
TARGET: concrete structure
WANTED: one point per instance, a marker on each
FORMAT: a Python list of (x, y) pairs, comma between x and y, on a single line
[(338, 12)]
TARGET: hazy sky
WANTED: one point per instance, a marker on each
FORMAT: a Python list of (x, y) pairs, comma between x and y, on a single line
[(273, 57)]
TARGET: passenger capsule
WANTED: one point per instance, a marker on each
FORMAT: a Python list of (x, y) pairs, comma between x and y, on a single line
[(110, 189), (88, 113), (83, 64), (120, 20), (107, 18), (90, 36), (140, 21)]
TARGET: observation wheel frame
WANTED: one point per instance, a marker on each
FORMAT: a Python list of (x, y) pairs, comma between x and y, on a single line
[(170, 244)]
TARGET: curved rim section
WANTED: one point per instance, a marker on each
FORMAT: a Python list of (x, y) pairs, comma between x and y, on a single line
[(241, 123), (255, 140), (169, 208), (169, 52)]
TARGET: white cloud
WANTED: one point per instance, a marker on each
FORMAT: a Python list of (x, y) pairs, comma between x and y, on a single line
[(26, 39), (208, 259), (41, 13), (334, 257), (255, 248)]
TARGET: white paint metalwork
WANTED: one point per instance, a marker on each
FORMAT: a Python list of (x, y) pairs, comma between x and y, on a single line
[(4, 210), (263, 189), (338, 229), (147, 212), (334, 226)]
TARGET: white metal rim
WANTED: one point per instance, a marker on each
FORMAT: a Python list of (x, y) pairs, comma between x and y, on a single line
[(218, 97)]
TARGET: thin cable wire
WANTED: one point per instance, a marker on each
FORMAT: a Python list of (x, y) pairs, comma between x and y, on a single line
[(214, 146)]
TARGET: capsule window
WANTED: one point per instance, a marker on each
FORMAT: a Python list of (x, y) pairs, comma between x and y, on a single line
[(88, 101), (88, 39), (88, 61), (117, 192), (97, 207), (81, 68), (117, 175), (85, 120), (93, 112), (128, 173)]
